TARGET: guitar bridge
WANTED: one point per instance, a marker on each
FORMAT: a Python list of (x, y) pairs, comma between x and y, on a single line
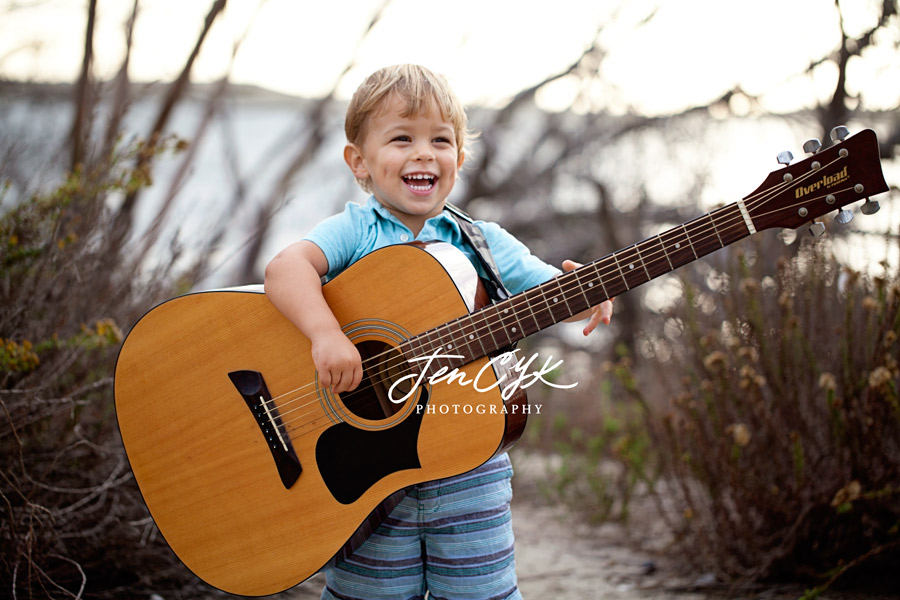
[(252, 388)]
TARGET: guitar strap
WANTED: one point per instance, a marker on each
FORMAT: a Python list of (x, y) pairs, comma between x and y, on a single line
[(473, 236)]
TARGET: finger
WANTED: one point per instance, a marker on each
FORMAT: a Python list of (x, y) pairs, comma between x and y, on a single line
[(592, 323), (606, 310), (570, 265), (324, 379), (338, 384), (356, 377)]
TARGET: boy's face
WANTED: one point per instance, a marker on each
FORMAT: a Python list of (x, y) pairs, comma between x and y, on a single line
[(411, 162)]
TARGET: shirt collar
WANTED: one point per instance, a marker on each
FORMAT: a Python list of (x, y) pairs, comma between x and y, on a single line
[(384, 213)]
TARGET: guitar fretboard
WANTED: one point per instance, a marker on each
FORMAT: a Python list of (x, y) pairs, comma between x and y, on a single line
[(497, 326)]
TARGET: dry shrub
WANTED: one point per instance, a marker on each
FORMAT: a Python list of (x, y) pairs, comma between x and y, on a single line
[(780, 443), (72, 523)]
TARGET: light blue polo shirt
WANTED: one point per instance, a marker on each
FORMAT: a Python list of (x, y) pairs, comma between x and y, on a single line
[(348, 236)]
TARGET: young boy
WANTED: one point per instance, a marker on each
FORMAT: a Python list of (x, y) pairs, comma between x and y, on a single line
[(406, 130)]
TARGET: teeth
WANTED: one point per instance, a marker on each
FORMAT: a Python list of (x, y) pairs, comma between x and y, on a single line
[(429, 179)]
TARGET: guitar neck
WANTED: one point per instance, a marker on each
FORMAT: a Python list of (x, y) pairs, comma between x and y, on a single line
[(497, 326)]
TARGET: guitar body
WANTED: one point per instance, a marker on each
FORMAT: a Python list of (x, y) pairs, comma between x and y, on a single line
[(257, 476), (254, 497)]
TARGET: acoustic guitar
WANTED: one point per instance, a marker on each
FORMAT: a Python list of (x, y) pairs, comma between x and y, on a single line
[(256, 475)]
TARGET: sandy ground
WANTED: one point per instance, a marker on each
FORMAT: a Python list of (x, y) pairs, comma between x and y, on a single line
[(561, 558)]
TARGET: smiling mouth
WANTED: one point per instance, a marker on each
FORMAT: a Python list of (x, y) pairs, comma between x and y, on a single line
[(420, 182)]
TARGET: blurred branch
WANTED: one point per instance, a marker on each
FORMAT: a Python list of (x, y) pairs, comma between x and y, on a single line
[(121, 84), (212, 107), (836, 112), (174, 95), (276, 199), (84, 93)]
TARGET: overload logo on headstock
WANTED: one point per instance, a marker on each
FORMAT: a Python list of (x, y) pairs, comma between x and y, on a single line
[(828, 181)]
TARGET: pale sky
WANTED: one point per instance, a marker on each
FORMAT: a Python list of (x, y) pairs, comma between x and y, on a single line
[(689, 52)]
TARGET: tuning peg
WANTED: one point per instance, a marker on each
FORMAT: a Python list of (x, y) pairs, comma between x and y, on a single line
[(812, 146), (844, 216), (816, 229), (839, 133), (785, 157), (870, 207)]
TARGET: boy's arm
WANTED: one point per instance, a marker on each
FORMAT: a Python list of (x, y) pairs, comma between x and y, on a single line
[(600, 313), (293, 284)]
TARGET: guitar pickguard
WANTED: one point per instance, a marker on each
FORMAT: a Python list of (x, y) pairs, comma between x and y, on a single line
[(351, 460)]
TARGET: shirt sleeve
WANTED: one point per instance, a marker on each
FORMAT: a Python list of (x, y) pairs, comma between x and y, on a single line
[(519, 268), (338, 238)]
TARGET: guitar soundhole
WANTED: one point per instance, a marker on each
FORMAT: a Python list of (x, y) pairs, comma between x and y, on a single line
[(383, 365)]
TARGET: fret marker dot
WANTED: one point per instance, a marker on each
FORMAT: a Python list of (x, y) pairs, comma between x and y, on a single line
[(513, 329), (677, 245), (555, 300), (591, 284), (631, 266), (472, 337)]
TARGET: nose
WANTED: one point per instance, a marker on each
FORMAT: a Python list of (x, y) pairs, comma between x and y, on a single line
[(423, 152)]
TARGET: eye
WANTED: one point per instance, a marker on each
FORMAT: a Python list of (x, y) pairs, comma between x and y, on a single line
[(442, 140), (401, 138)]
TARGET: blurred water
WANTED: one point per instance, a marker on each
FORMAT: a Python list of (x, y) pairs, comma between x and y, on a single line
[(255, 135)]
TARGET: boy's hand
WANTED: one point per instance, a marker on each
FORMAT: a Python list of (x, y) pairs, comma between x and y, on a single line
[(602, 313), (337, 360)]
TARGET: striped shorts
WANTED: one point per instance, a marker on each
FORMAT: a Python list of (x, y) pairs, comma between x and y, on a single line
[(451, 538)]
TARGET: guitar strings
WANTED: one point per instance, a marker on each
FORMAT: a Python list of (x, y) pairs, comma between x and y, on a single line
[(722, 222), (604, 267), (578, 284)]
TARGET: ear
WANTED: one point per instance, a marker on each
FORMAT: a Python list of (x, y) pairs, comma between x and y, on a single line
[(354, 158), (462, 158)]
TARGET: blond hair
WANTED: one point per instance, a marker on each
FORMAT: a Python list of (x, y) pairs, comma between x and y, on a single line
[(415, 85)]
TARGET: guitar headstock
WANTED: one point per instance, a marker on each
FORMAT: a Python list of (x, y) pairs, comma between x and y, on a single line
[(831, 179)]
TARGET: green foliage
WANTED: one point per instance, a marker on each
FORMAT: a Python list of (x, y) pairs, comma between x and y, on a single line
[(599, 464), (72, 523)]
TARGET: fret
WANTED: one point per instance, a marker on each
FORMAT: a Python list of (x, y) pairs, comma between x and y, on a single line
[(455, 343), (637, 249), (621, 274), (431, 347), (735, 226), (412, 352), (576, 298), (663, 246), (688, 238), (445, 347), (486, 315), (512, 326), (705, 236), (469, 339), (626, 261), (677, 247), (577, 274), (528, 305), (600, 279), (660, 264), (557, 311), (561, 293), (716, 229)]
